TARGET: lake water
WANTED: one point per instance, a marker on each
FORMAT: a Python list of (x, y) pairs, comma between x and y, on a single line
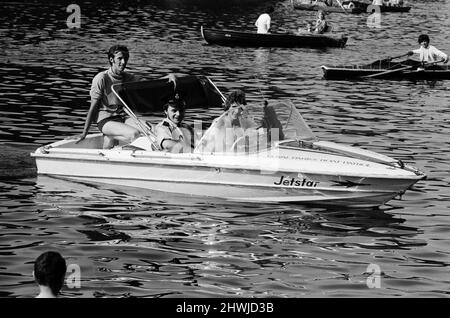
[(135, 243)]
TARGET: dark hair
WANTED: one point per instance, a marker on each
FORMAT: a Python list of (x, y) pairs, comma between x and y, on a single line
[(236, 96), (176, 101), (270, 9), (423, 37), (49, 270), (118, 48)]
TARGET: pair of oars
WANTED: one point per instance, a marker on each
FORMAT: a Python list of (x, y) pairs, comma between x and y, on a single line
[(404, 68)]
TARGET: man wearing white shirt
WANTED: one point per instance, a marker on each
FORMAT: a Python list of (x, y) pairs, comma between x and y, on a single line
[(428, 53), (263, 22)]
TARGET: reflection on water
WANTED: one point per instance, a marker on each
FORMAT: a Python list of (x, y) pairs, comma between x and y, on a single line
[(144, 243), (132, 242)]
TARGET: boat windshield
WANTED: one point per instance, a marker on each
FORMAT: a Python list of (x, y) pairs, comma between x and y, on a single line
[(254, 128)]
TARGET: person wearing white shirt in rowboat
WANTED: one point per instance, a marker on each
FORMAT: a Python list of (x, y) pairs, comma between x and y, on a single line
[(428, 53), (263, 21), (171, 133)]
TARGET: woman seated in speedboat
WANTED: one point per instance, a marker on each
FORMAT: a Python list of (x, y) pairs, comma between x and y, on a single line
[(237, 130), (233, 124), (172, 134)]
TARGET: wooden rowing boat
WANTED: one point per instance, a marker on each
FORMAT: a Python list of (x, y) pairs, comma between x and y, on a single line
[(354, 7), (414, 72), (250, 39)]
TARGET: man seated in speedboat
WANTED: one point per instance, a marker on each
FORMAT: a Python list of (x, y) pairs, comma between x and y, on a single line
[(172, 134), (106, 109)]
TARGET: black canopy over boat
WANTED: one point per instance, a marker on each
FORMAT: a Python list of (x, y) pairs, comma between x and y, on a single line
[(250, 39), (408, 70), (149, 96), (354, 7)]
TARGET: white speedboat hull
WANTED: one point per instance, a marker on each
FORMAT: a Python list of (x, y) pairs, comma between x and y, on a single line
[(272, 176)]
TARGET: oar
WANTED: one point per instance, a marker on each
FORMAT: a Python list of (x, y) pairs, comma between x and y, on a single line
[(389, 72), (389, 58), (399, 69)]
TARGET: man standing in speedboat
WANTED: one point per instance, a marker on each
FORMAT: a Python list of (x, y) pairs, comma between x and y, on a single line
[(428, 53), (106, 109), (263, 21), (171, 133)]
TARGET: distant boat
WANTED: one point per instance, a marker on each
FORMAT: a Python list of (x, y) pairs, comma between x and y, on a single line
[(354, 7), (408, 70), (213, 3), (253, 39)]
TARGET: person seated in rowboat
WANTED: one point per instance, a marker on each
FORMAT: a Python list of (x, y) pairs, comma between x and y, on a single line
[(428, 53), (172, 134), (320, 3), (49, 273), (393, 3), (321, 24), (263, 21), (106, 109)]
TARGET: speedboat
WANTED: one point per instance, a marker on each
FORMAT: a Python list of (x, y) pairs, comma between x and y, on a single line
[(278, 159)]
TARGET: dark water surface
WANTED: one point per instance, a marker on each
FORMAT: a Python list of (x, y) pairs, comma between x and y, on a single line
[(148, 244)]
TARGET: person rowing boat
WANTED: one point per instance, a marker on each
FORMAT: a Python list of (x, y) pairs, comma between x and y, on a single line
[(428, 53)]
